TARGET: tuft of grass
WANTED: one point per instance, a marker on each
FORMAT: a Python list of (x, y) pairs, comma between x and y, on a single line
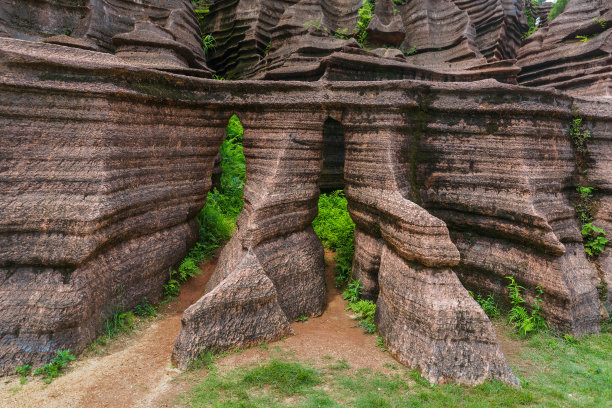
[(120, 321), (286, 377), (53, 370)]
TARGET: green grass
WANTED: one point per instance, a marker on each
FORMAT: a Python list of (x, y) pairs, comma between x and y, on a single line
[(554, 373)]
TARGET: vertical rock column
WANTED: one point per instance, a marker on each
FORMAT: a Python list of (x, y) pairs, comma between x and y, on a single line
[(272, 270), (425, 316)]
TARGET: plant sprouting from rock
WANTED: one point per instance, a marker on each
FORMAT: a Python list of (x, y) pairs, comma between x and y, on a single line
[(525, 322), (594, 239), (363, 21)]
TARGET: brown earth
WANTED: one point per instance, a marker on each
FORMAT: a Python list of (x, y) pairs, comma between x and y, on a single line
[(135, 370)]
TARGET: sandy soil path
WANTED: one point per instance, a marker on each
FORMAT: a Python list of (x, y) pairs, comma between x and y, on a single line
[(135, 371)]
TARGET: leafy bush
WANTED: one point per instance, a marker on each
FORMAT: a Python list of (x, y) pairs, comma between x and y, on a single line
[(363, 21), (523, 321), (557, 9), (365, 310), (24, 371), (145, 309), (594, 239), (335, 229), (352, 293), (54, 368), (488, 304)]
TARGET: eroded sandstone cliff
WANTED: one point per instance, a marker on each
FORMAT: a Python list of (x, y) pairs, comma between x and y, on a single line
[(454, 180)]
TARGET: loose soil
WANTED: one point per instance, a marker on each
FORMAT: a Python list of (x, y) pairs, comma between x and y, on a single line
[(135, 371)]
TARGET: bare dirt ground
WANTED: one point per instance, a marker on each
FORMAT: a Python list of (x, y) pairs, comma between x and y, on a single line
[(135, 370)]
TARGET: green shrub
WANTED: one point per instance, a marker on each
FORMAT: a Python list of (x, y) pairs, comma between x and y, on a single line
[(363, 21), (557, 9), (365, 310), (24, 372), (594, 239), (56, 366), (488, 304), (145, 309), (335, 229), (523, 321), (352, 293)]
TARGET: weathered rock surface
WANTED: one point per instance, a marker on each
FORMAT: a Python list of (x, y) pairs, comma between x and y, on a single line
[(242, 310), (93, 24), (100, 189), (288, 39), (105, 165), (432, 325), (572, 53), (386, 27)]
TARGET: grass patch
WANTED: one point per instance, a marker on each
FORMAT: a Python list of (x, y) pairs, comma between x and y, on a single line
[(553, 371)]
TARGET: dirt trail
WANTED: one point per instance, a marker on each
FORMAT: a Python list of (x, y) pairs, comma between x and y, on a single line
[(135, 371)]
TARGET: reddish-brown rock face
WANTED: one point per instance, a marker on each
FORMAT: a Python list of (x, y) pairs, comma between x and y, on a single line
[(573, 52), (452, 181)]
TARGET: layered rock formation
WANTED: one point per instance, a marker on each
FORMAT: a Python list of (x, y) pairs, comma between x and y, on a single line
[(93, 24), (452, 181), (286, 39), (100, 189), (573, 53)]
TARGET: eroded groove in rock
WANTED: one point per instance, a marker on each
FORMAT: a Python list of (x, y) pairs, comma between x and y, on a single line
[(572, 53), (284, 163)]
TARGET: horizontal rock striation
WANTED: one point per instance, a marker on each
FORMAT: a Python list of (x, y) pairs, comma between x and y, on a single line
[(462, 34), (105, 166), (100, 188), (502, 179), (92, 24), (573, 53)]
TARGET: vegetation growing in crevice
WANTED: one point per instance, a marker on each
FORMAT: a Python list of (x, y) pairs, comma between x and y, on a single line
[(335, 228), (530, 7), (218, 217), (557, 9), (488, 304), (524, 321), (593, 237), (365, 16)]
